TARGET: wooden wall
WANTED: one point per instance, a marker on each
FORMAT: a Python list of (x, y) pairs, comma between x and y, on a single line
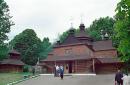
[(78, 66), (105, 53), (106, 68), (11, 68), (83, 66)]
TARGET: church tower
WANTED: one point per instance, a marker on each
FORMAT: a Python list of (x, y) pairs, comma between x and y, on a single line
[(83, 35)]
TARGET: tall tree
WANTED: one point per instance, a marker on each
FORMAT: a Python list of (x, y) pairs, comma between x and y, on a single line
[(5, 22), (3, 51), (122, 28), (63, 36), (27, 44), (5, 25), (44, 48), (105, 24)]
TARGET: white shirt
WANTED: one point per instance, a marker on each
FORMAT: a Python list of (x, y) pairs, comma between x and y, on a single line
[(126, 80), (61, 67), (57, 67)]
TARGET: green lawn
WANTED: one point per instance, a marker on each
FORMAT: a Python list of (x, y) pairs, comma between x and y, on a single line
[(6, 78)]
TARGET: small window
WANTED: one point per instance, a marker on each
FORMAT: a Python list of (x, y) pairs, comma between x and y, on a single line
[(68, 51)]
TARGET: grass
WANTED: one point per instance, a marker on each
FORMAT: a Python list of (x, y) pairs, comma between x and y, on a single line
[(6, 78)]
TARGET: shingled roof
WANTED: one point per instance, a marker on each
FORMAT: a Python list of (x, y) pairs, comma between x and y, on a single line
[(103, 45), (12, 62), (71, 39), (14, 52), (109, 60), (82, 32), (83, 38)]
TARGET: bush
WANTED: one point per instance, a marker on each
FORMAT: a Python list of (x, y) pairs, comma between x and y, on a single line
[(26, 68)]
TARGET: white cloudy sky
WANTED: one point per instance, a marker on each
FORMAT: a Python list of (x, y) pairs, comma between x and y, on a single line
[(52, 17)]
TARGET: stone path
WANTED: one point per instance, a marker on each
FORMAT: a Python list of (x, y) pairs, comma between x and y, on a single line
[(71, 80)]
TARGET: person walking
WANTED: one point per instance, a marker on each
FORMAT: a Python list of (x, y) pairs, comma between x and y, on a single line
[(125, 79), (57, 71), (61, 72), (118, 78)]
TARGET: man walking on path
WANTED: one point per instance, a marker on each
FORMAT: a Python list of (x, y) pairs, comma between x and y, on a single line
[(118, 78)]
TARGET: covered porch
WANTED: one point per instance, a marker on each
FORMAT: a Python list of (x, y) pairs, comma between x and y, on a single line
[(71, 66)]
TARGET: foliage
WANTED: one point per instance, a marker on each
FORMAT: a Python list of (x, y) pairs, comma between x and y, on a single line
[(3, 51), (63, 36), (26, 68), (27, 44), (30, 46), (44, 48), (5, 22), (106, 24), (122, 28)]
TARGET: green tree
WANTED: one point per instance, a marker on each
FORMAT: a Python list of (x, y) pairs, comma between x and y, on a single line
[(5, 25), (27, 44), (44, 48), (106, 24), (3, 51), (5, 22), (122, 28), (63, 36)]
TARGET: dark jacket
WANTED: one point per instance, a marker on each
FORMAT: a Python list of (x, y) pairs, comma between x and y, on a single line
[(61, 70), (118, 77)]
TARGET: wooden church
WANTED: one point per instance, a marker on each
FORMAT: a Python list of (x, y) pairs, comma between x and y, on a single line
[(79, 53), (13, 63)]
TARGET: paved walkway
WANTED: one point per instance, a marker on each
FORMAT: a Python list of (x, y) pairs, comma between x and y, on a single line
[(71, 80)]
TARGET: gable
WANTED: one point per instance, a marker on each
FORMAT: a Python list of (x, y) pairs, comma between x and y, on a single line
[(70, 52), (78, 49)]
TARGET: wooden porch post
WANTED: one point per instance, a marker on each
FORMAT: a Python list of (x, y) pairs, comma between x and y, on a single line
[(75, 66), (93, 65), (55, 62)]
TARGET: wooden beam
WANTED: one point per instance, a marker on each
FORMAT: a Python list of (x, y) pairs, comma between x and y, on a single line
[(75, 66), (93, 65), (55, 62)]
